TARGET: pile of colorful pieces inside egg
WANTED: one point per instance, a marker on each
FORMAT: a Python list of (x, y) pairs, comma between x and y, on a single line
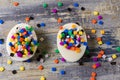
[(22, 43), (73, 39)]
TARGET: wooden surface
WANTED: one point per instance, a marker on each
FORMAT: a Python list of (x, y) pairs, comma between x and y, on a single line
[(109, 9)]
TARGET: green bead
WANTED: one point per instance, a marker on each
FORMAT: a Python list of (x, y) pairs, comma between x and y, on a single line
[(27, 43), (45, 5), (70, 32), (60, 4), (87, 52), (18, 43), (27, 28), (57, 51), (118, 49), (63, 35), (31, 29)]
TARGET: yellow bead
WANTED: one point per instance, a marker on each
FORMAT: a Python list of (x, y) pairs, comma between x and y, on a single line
[(82, 40), (60, 36), (80, 33), (16, 45), (93, 31), (15, 35), (9, 62), (26, 39), (20, 34), (22, 68), (100, 42), (2, 69), (11, 40), (65, 45), (73, 26), (24, 56), (96, 13), (72, 41), (33, 48), (114, 56), (23, 43), (42, 78), (16, 40), (102, 32), (75, 32)]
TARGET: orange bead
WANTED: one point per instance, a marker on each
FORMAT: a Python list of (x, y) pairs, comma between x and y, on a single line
[(23, 47), (21, 39), (102, 52), (15, 3), (72, 48), (56, 61), (99, 55), (99, 39), (24, 33), (40, 67), (27, 19), (93, 74), (12, 48), (94, 66), (61, 27), (94, 21), (59, 20), (92, 78), (77, 50)]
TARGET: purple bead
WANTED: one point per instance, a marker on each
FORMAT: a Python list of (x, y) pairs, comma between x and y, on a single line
[(98, 64), (100, 17), (19, 54), (68, 47), (28, 48), (54, 10), (79, 39), (63, 59), (61, 43), (29, 53), (95, 59)]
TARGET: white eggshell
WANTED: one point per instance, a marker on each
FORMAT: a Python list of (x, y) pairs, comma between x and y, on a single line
[(13, 31), (69, 55)]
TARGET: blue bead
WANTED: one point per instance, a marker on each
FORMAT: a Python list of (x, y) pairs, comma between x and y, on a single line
[(100, 22), (0, 54), (21, 31), (85, 43), (42, 24), (70, 44), (53, 69), (62, 72), (65, 42), (29, 60), (1, 21), (108, 43), (29, 32), (66, 30), (18, 37), (1, 41), (34, 42), (10, 44), (76, 4)]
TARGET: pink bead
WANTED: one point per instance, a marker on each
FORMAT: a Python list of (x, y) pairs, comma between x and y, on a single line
[(68, 47), (29, 53), (54, 10), (100, 17), (98, 64), (13, 37), (61, 43), (63, 59), (19, 54)]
